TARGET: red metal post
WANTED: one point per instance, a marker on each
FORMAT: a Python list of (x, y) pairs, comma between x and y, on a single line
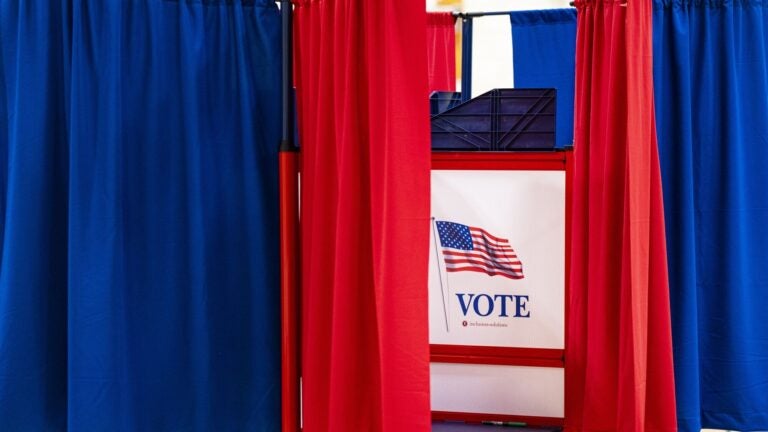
[(289, 289)]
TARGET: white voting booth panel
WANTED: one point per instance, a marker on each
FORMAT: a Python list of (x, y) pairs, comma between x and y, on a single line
[(527, 208), (497, 286), (497, 389)]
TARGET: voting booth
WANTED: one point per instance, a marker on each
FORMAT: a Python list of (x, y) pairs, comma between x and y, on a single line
[(498, 271)]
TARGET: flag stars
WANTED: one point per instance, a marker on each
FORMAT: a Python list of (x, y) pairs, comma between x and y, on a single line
[(454, 235)]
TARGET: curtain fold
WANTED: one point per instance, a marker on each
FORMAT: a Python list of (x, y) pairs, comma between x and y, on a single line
[(441, 51), (364, 126), (711, 80), (619, 373), (33, 227), (139, 283), (543, 49)]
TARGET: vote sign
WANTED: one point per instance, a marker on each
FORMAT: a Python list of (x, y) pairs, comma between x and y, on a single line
[(497, 258)]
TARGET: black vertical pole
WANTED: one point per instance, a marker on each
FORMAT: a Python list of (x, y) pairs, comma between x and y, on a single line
[(286, 12), (466, 58)]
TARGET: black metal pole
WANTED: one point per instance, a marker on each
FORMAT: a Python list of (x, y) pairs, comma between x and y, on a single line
[(287, 139), (466, 59), (478, 14)]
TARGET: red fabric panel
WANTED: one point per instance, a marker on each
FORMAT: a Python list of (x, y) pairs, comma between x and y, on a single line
[(619, 355), (441, 51), (364, 125)]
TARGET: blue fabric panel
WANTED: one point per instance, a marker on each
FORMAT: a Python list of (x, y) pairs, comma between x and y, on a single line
[(711, 82), (544, 56), (33, 223), (140, 269)]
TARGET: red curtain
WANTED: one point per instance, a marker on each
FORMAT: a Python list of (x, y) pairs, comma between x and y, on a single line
[(619, 359), (364, 124), (441, 51)]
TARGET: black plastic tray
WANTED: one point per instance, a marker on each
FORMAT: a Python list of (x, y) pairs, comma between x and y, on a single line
[(499, 120)]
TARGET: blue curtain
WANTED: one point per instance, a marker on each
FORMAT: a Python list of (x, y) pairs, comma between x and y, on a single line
[(138, 215), (711, 81), (544, 56)]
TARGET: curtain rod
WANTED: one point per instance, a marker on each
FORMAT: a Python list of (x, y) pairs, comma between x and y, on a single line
[(622, 3), (478, 14), (482, 14)]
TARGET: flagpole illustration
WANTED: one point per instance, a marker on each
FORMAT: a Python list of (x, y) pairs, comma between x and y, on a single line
[(440, 275)]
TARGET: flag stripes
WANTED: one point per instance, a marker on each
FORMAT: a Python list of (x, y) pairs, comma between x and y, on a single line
[(467, 248)]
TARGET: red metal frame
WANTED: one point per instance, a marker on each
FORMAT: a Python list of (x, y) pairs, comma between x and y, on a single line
[(289, 290), (542, 357), (536, 161), (569, 164), (555, 358)]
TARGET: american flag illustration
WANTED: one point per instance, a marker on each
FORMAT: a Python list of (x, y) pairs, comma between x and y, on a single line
[(467, 248)]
